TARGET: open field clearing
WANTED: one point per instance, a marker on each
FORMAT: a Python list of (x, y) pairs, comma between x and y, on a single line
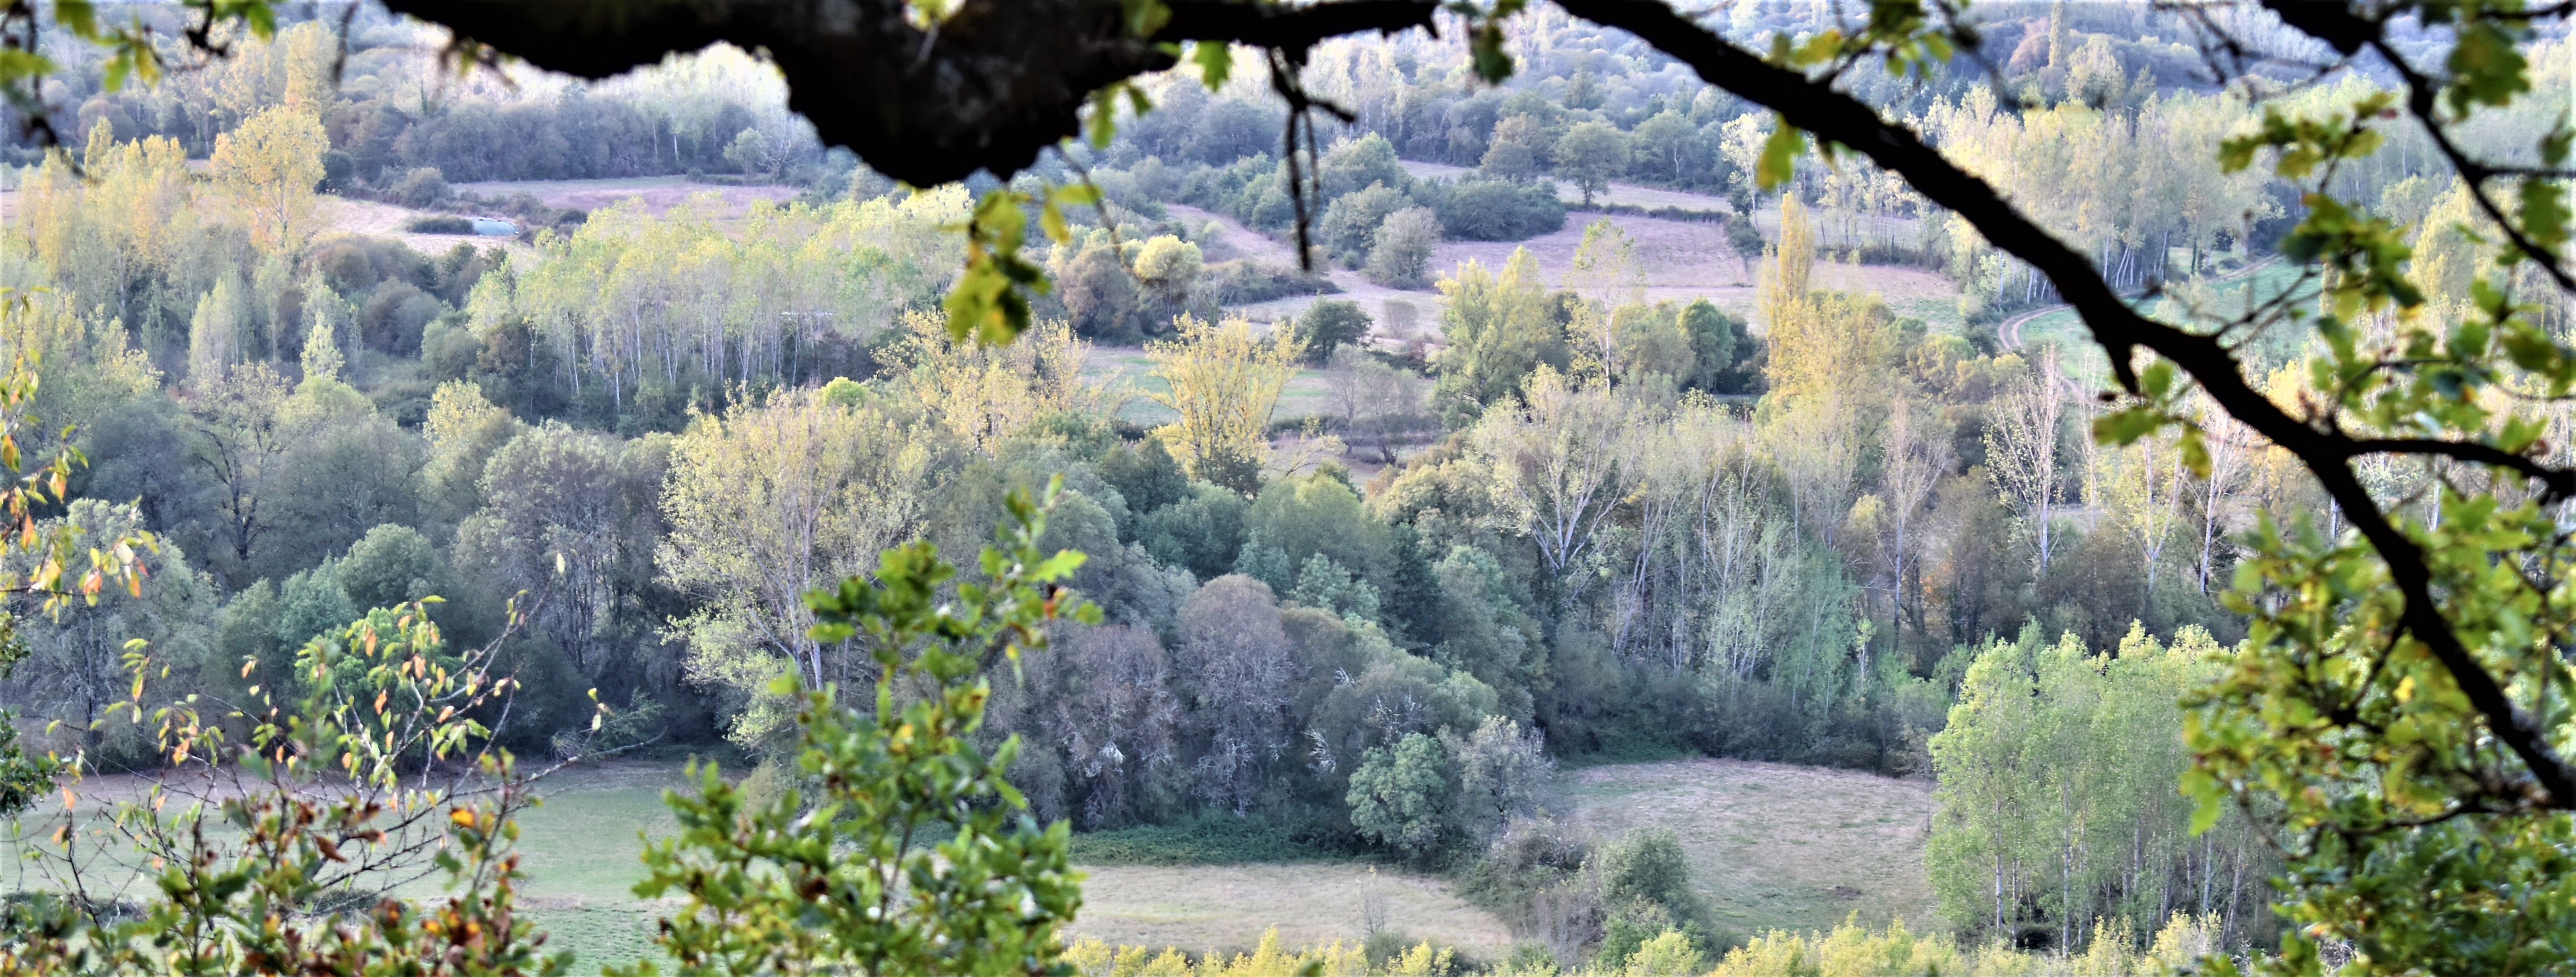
[(1226, 907), (657, 194), (724, 205), (580, 852), (1773, 845), (373, 219), (1619, 194), (1677, 261)]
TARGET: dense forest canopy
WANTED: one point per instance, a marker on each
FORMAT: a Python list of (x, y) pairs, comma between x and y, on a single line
[(1362, 571)]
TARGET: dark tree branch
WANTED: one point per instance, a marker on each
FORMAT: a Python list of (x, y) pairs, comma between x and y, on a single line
[(2556, 484), (988, 88), (1292, 29), (2350, 33), (1818, 109)]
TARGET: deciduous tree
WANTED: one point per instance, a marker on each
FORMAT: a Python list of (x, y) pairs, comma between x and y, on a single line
[(270, 166), (1223, 382), (1590, 154), (765, 503)]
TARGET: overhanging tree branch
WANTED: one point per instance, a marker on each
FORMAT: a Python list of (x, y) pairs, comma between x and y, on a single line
[(1292, 29), (1818, 109), (2350, 34), (987, 88)]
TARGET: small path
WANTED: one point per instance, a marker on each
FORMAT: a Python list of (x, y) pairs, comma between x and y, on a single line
[(2009, 333)]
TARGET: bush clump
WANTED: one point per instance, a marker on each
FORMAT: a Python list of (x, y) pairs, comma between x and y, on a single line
[(1242, 282), (442, 224), (1216, 840), (422, 187), (1497, 210)]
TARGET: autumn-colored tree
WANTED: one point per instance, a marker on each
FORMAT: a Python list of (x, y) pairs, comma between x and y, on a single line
[(1822, 344), (1224, 382), (1604, 277), (982, 394), (270, 166)]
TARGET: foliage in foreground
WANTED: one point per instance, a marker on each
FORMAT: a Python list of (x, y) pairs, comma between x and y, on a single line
[(836, 880), (1848, 950), (278, 851), (371, 766)]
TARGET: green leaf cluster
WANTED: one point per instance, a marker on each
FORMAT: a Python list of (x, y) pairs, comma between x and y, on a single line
[(905, 850)]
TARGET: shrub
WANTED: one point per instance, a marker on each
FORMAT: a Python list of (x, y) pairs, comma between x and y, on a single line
[(1529, 857), (1242, 282), (1350, 227), (1100, 295), (1358, 163), (421, 187), (1201, 531), (1400, 255), (1169, 269), (1329, 323), (1670, 954), (338, 170), (1400, 797), (1644, 882), (394, 318), (443, 224), (1493, 210)]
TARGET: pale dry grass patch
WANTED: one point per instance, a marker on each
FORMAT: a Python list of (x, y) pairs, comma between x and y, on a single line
[(1773, 845), (657, 194), (368, 218), (1226, 908)]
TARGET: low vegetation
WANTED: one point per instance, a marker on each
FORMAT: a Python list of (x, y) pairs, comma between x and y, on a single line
[(323, 537)]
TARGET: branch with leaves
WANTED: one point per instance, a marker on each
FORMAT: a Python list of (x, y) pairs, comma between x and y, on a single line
[(836, 877)]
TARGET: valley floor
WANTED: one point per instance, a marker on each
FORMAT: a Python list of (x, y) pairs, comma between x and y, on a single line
[(1771, 846)]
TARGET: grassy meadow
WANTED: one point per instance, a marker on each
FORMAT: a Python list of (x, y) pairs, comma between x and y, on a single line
[(1771, 846)]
